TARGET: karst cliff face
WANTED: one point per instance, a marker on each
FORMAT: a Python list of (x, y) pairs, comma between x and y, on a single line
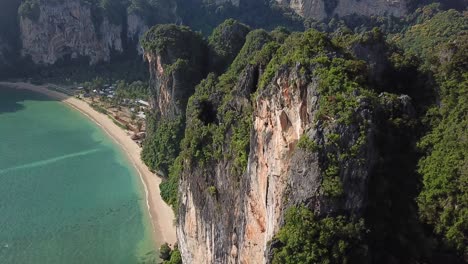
[(321, 9), (229, 217), (136, 27), (176, 57), (66, 28)]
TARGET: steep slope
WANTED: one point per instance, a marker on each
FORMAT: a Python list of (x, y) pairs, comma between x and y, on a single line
[(53, 30), (177, 59), (440, 42), (267, 136)]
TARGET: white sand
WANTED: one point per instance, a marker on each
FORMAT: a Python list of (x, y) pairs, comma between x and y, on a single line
[(162, 216)]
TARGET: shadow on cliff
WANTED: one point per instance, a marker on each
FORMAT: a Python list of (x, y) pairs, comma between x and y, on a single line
[(12, 100)]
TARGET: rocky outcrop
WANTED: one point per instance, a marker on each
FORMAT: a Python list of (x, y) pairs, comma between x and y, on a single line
[(177, 60), (136, 27), (322, 9), (66, 29), (302, 153), (282, 174)]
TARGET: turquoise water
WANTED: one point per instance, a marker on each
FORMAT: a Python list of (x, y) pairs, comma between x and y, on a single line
[(67, 192)]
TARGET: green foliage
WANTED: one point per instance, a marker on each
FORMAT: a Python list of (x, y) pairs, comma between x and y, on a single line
[(134, 90), (225, 42), (72, 71), (162, 147), (439, 40), (165, 252), (332, 186), (423, 39), (97, 83), (443, 201), (176, 258), (306, 239), (171, 256), (99, 109), (160, 38), (280, 34), (30, 9), (212, 191), (264, 56), (298, 48), (169, 187), (307, 144), (206, 141)]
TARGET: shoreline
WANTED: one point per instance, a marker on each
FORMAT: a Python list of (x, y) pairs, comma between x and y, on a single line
[(161, 215)]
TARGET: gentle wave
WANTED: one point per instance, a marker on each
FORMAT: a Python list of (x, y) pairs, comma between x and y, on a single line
[(49, 161)]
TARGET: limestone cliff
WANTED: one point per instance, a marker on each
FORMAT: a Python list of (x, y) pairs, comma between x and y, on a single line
[(321, 9), (307, 137), (66, 28), (136, 27), (176, 57)]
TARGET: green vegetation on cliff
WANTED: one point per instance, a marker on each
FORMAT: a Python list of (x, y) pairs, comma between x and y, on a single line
[(424, 39), (170, 256), (440, 41), (306, 239), (213, 115), (182, 54), (162, 38), (219, 122), (163, 147), (225, 42)]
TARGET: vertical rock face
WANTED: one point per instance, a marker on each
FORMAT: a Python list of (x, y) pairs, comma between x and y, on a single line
[(321, 9), (66, 29), (136, 27), (176, 58), (281, 175), (302, 152), (306, 8)]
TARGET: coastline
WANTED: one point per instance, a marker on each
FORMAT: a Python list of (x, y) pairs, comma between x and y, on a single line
[(161, 214)]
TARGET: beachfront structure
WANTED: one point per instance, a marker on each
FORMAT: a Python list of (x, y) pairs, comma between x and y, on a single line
[(144, 103), (141, 115)]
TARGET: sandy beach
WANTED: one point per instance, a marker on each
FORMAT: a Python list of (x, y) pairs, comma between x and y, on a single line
[(161, 214)]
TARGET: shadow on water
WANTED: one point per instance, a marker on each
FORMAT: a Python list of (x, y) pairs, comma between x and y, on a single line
[(11, 99)]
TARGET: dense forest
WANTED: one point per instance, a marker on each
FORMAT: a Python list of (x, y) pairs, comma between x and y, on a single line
[(223, 60)]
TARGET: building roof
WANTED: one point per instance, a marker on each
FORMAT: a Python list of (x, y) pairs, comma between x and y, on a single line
[(143, 102)]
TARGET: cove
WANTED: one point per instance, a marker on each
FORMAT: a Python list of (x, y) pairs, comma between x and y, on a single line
[(68, 194)]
